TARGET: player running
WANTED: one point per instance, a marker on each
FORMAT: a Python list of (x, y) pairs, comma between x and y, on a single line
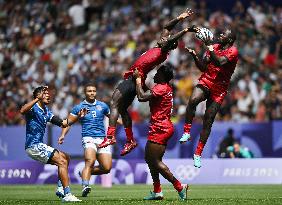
[(217, 66), (37, 114), (93, 133), (125, 92), (161, 129)]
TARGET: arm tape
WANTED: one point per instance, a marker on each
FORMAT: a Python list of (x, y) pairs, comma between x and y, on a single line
[(57, 121)]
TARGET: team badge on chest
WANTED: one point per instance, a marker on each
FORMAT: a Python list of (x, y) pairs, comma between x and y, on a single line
[(99, 107)]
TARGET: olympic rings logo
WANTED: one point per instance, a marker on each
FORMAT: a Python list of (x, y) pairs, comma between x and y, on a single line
[(186, 172)]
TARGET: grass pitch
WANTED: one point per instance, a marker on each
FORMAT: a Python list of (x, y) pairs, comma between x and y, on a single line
[(133, 194)]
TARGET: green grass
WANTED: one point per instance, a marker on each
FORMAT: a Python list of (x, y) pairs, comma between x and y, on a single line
[(123, 194)]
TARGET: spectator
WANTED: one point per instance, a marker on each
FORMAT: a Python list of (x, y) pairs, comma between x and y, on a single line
[(237, 151), (227, 141), (47, 42)]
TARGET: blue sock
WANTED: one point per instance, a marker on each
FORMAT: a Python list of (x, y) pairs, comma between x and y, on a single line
[(67, 190), (59, 183), (85, 183)]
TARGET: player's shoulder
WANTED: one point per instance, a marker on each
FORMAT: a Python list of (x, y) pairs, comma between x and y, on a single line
[(233, 49), (101, 103)]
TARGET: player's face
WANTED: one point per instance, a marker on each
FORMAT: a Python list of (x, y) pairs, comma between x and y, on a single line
[(236, 147), (46, 98), (90, 93), (224, 36)]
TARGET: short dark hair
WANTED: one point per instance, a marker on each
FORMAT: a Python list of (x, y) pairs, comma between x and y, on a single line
[(38, 90), (167, 70), (89, 84)]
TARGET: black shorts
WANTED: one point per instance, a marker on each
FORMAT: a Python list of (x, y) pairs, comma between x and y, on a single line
[(128, 90)]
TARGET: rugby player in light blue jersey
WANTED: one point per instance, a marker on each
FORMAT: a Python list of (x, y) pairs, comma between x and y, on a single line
[(93, 133), (37, 114)]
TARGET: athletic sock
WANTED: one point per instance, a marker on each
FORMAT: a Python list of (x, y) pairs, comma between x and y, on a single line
[(59, 183), (111, 131), (67, 190), (157, 187), (177, 185), (85, 183), (129, 134), (199, 148), (187, 128)]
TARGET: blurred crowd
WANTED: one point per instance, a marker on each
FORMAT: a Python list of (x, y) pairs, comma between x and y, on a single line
[(67, 43)]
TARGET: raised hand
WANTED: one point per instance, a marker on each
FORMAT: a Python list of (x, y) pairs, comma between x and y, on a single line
[(83, 112), (206, 38), (187, 13), (61, 139)]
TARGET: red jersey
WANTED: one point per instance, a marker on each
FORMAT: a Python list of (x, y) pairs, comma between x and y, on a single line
[(221, 75), (147, 62), (161, 106)]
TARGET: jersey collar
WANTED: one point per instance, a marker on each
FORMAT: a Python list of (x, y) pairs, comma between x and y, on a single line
[(40, 107), (86, 102)]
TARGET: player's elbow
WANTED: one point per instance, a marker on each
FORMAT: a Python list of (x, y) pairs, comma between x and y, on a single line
[(22, 111)]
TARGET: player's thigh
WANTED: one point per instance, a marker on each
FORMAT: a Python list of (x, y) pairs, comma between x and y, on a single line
[(199, 94), (90, 150), (154, 151), (105, 160), (127, 89)]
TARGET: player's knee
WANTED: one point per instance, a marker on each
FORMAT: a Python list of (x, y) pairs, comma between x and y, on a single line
[(67, 157), (89, 162), (107, 169), (62, 162)]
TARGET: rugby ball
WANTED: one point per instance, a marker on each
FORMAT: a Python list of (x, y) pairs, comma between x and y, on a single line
[(203, 34)]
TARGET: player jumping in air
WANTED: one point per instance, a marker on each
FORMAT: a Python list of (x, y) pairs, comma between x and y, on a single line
[(161, 129), (37, 115), (217, 66), (125, 92)]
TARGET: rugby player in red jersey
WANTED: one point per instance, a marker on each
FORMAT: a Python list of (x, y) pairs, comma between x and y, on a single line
[(161, 129), (217, 66), (125, 92)]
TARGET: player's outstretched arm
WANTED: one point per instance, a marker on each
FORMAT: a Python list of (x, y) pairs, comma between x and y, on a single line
[(201, 64), (141, 95), (71, 119), (166, 44), (171, 24)]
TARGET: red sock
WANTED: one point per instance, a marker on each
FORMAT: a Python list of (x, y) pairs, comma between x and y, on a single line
[(157, 187), (129, 133), (200, 148), (177, 185), (187, 128), (111, 131)]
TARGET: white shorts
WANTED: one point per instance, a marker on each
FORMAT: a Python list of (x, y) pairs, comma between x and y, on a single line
[(93, 142), (40, 152)]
